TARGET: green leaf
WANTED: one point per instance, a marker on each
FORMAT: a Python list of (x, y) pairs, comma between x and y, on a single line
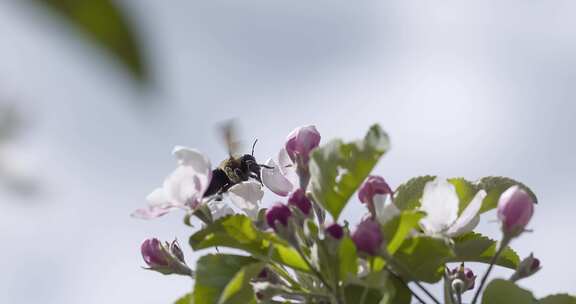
[(466, 191), (337, 169), (401, 293), (494, 186), (398, 229), (360, 294), (239, 289), (424, 258), (214, 272), (474, 247), (186, 299), (558, 299), (105, 23), (238, 231), (348, 258), (505, 292), (407, 196)]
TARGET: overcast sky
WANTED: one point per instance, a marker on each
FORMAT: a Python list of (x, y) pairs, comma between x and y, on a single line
[(464, 89)]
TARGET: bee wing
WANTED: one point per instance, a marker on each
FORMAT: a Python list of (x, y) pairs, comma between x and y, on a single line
[(228, 130)]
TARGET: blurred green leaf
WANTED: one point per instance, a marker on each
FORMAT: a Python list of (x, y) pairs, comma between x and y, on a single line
[(239, 289), (474, 247), (398, 229), (238, 231), (424, 258), (337, 169), (558, 299), (105, 23), (216, 272), (402, 294), (505, 292), (354, 293), (407, 195), (348, 258), (186, 299), (494, 186)]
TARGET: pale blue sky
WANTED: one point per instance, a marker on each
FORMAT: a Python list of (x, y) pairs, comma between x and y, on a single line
[(467, 89)]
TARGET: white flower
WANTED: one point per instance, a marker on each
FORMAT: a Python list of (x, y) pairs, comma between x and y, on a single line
[(440, 202), (247, 197), (282, 179), (384, 208), (219, 209), (183, 189)]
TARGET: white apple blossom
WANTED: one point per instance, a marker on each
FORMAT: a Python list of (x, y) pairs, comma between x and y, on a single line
[(282, 179), (440, 202), (184, 189)]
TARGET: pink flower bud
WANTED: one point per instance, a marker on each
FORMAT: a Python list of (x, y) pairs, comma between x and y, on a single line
[(526, 268), (464, 275), (279, 213), (515, 209), (298, 198), (301, 141), (154, 254), (164, 258), (335, 231), (373, 185), (368, 237)]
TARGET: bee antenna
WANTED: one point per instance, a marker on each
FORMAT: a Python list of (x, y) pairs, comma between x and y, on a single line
[(254, 145)]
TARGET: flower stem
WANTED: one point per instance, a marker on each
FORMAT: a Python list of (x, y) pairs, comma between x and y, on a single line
[(399, 278), (404, 270), (503, 245), (314, 270)]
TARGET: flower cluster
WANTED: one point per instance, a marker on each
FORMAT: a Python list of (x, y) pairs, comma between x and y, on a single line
[(301, 249)]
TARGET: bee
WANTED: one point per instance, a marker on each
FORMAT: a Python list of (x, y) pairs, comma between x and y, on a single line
[(234, 169)]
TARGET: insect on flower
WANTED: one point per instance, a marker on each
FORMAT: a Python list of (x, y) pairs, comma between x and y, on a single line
[(234, 169)]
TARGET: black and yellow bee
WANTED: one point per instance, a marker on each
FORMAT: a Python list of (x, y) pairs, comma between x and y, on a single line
[(234, 169)]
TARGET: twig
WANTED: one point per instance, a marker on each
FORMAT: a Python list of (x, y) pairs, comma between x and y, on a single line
[(503, 246)]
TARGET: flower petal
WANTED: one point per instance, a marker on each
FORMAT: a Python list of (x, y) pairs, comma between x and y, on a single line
[(247, 197), (219, 209), (384, 208), (275, 180), (157, 197), (288, 168), (469, 218), (187, 184), (440, 202), (153, 211), (191, 157)]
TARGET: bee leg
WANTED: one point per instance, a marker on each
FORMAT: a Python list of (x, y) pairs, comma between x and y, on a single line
[(257, 177)]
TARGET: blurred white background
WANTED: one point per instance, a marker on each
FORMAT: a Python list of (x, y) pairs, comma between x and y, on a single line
[(471, 89)]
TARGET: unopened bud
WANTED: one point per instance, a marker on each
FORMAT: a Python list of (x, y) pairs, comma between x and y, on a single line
[(515, 209), (301, 142), (461, 278), (165, 258), (298, 199), (334, 230), (368, 237), (526, 268), (278, 215)]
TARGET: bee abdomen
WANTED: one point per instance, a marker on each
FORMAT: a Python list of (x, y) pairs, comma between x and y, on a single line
[(218, 182)]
